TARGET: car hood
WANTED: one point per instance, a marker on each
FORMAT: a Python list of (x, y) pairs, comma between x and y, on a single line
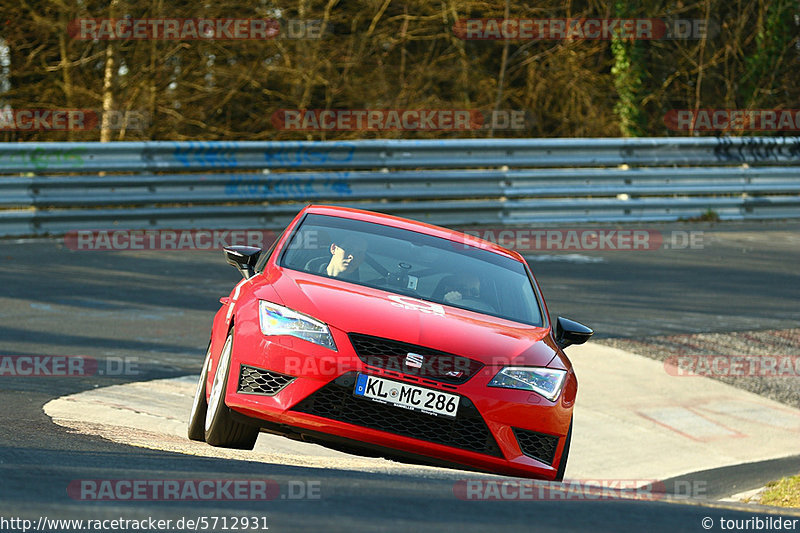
[(357, 309)]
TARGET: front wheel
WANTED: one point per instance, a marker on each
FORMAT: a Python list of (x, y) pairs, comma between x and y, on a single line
[(197, 419), (220, 427), (562, 466)]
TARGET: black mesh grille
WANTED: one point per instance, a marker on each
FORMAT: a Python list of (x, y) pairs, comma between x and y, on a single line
[(467, 430), (254, 380), (540, 446), (392, 355)]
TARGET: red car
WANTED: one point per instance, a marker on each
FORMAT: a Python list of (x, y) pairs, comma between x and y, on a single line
[(368, 332)]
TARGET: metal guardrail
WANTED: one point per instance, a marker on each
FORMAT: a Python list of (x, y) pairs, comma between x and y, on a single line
[(52, 188)]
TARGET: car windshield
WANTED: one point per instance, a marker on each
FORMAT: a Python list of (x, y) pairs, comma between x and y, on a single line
[(413, 264)]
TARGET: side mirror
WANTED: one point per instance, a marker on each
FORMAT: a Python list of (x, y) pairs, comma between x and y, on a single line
[(244, 258), (569, 332)]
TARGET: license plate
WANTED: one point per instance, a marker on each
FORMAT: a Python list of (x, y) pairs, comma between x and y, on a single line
[(407, 396)]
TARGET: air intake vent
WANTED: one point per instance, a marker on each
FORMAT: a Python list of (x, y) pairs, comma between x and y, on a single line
[(254, 380), (540, 446)]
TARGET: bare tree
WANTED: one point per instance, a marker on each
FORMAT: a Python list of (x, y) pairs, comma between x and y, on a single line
[(382, 54)]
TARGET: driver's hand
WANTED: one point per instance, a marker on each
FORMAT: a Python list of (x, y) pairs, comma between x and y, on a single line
[(452, 296)]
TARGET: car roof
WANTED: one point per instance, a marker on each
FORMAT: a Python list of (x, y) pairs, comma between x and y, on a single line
[(412, 225)]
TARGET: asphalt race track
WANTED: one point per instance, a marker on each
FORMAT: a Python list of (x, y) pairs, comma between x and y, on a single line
[(146, 315)]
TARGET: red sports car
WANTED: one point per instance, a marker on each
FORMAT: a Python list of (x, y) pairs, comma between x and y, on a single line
[(368, 332)]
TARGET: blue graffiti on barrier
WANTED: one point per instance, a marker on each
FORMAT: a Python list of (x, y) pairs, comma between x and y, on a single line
[(256, 186), (308, 154), (206, 154)]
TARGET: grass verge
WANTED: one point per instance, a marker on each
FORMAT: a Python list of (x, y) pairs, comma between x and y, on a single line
[(782, 493)]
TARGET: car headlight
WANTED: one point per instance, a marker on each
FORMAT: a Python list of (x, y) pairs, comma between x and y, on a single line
[(544, 381), (279, 320)]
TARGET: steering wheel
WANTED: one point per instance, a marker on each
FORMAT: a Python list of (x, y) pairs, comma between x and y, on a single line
[(475, 304)]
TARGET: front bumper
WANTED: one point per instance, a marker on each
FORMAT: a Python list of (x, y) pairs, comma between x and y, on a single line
[(307, 387)]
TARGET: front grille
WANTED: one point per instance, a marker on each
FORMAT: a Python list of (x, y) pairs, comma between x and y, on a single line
[(254, 380), (466, 431), (392, 355), (540, 446)]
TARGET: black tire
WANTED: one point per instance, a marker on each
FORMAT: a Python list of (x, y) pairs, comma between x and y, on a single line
[(220, 428), (562, 466), (197, 418)]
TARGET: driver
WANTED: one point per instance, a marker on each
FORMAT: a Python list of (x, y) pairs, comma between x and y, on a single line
[(347, 253), (460, 286)]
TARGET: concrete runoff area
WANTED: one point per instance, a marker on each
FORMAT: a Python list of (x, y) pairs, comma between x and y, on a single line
[(634, 420)]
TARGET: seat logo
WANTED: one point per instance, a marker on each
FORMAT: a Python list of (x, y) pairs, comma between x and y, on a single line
[(413, 360)]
